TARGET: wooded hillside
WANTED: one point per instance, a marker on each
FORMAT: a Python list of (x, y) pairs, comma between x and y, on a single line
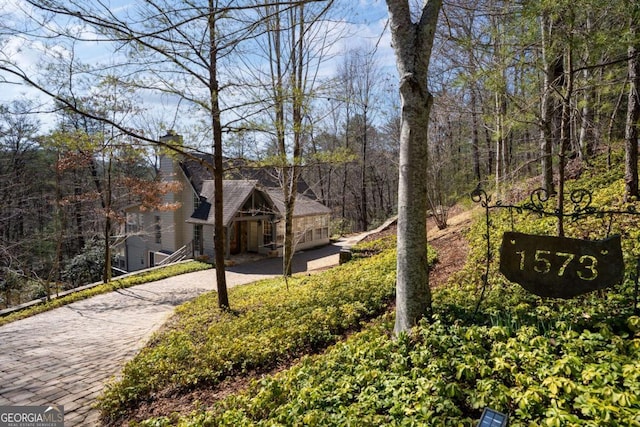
[(520, 89)]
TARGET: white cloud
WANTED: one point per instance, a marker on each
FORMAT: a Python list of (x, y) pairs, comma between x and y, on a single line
[(362, 24)]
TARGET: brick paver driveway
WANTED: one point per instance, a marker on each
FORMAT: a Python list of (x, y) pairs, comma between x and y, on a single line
[(65, 356)]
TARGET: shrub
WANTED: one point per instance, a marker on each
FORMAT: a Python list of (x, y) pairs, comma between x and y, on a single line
[(87, 266)]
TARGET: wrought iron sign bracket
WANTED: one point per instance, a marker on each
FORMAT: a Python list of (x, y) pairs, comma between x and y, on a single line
[(552, 266)]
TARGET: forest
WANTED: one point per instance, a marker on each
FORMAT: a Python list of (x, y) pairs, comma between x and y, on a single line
[(521, 91)]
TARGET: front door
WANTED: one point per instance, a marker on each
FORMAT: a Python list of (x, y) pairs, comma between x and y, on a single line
[(252, 238), (234, 241)]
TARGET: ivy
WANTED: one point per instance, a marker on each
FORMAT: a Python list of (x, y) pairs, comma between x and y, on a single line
[(545, 362), (270, 325)]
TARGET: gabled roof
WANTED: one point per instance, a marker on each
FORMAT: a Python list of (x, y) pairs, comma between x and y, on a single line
[(234, 192), (235, 169), (237, 192), (304, 206)]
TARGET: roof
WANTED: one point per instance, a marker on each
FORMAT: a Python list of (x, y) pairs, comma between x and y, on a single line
[(237, 192), (235, 169), (234, 192), (304, 205)]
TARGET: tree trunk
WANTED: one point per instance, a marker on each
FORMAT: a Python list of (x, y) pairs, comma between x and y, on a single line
[(106, 274), (475, 139), (78, 218), (586, 139), (363, 173), (105, 203), (412, 44), (565, 134), (633, 110), (290, 201), (219, 245), (546, 107), (487, 138), (585, 136), (501, 143), (345, 167), (298, 83)]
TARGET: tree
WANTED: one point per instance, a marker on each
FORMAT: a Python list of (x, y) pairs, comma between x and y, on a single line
[(173, 49), (102, 150), (346, 97), (361, 78), (412, 43), (26, 252), (633, 105), (18, 163), (445, 157), (552, 68), (293, 48)]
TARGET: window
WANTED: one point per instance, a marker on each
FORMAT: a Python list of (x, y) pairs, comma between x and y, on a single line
[(321, 233), (158, 229), (322, 227), (134, 222), (267, 233), (198, 242)]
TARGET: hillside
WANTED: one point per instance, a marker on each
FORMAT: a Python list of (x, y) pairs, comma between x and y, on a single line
[(451, 247), (543, 361)]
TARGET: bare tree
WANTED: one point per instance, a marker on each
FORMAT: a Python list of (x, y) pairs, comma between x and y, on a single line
[(365, 77), (294, 47), (174, 49), (552, 69), (345, 71)]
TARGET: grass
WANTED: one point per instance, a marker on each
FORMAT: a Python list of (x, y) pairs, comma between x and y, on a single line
[(128, 281)]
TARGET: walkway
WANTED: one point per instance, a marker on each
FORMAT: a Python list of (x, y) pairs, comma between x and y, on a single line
[(65, 356)]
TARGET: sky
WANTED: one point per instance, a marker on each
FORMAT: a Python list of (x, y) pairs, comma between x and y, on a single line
[(363, 20)]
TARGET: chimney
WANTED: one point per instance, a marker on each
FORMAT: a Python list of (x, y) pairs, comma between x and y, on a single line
[(171, 137)]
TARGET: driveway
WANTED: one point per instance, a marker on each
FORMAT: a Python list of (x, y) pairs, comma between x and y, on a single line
[(65, 356)]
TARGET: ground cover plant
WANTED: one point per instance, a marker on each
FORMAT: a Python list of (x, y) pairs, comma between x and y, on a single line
[(545, 362), (118, 283), (271, 323), (373, 247)]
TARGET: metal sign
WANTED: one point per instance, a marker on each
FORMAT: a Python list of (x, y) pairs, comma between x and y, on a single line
[(560, 267)]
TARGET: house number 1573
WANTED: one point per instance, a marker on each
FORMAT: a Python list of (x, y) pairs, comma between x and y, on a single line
[(561, 267), (543, 263)]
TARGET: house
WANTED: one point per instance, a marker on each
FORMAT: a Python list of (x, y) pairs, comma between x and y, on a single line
[(253, 213)]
